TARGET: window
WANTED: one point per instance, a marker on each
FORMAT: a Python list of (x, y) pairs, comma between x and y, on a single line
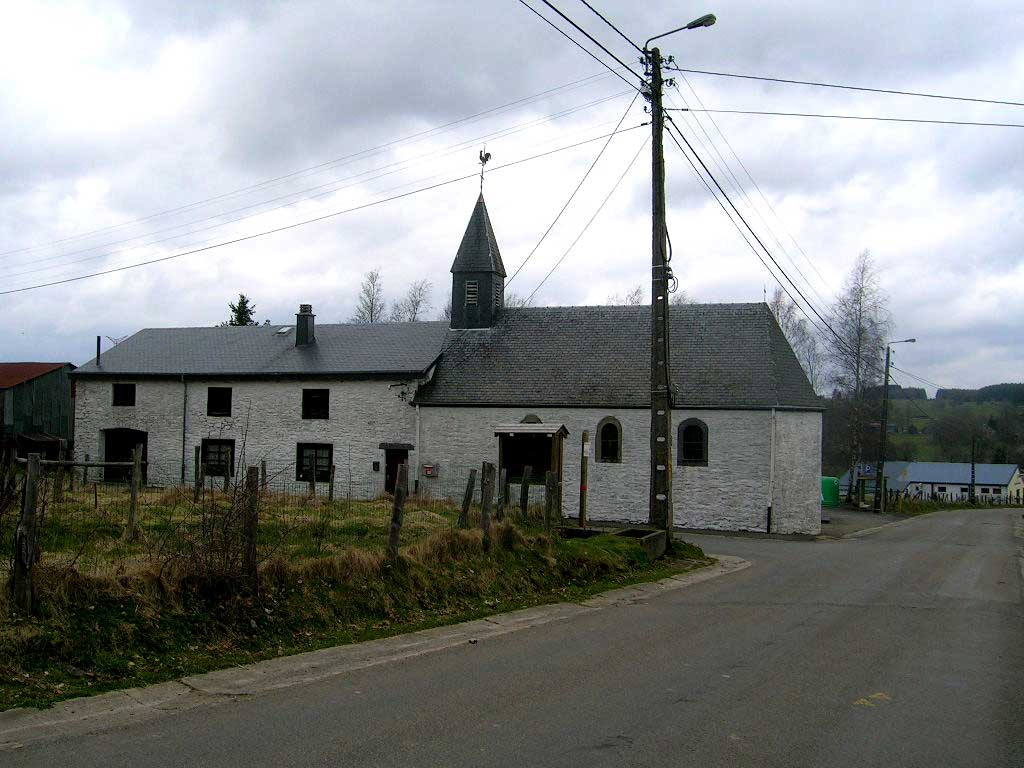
[(693, 443), (219, 457), (965, 490), (942, 489), (124, 394), (316, 457), (984, 490), (315, 403), (472, 292), (218, 401), (609, 441)]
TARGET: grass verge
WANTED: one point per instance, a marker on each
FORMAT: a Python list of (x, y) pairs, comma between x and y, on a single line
[(96, 634)]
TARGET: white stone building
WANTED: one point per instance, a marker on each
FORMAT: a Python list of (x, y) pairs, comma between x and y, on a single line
[(516, 387)]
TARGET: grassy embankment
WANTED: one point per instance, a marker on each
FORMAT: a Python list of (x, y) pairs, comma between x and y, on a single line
[(146, 625)]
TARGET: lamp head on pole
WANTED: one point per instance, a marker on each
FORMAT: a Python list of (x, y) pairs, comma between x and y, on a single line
[(704, 21)]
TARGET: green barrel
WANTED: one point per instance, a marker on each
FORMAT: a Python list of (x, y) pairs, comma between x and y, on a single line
[(830, 491)]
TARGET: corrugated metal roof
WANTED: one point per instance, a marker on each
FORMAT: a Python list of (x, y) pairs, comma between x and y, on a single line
[(12, 374)]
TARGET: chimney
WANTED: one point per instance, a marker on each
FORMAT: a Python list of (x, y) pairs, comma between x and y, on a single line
[(304, 335), (98, 351)]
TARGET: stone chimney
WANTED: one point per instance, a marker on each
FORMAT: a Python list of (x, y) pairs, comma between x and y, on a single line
[(304, 334)]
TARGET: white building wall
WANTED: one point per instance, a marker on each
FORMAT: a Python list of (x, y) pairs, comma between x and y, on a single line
[(266, 423), (731, 493)]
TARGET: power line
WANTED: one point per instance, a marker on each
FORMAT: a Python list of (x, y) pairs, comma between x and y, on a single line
[(327, 189), (847, 87), (917, 378), (307, 221), (344, 160), (622, 34), (859, 117), (577, 189), (590, 37)]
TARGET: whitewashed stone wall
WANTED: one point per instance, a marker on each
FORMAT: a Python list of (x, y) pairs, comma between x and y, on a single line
[(266, 423), (731, 493)]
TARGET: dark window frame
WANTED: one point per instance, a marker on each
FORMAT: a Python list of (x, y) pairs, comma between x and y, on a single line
[(601, 453), (311, 410), (686, 456), (322, 463), (217, 468), (122, 389), (218, 409)]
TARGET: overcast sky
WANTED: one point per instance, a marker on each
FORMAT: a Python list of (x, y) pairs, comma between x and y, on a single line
[(133, 131)]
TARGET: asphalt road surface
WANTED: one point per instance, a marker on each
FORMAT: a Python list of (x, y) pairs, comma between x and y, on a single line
[(904, 647)]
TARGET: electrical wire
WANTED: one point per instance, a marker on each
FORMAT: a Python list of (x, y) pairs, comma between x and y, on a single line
[(590, 37), (621, 34), (975, 123), (577, 189), (294, 225), (846, 87)]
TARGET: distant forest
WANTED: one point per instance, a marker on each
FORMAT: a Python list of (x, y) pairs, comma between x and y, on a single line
[(994, 393)]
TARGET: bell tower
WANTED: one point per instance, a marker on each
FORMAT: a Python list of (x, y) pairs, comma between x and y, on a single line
[(478, 276)]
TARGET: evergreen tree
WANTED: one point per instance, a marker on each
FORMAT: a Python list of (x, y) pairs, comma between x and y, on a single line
[(242, 313)]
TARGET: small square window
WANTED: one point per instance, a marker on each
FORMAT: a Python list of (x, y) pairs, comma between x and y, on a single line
[(472, 292), (124, 395), (314, 457), (942, 489), (316, 403), (219, 457), (218, 401)]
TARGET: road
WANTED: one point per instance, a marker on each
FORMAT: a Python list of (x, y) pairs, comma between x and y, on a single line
[(904, 647)]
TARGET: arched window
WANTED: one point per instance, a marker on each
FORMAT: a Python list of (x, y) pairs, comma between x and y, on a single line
[(693, 442), (609, 441)]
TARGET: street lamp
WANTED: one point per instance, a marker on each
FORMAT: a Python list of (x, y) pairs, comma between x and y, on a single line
[(879, 501), (704, 21)]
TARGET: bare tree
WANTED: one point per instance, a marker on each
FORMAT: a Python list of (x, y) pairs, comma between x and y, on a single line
[(679, 298), (800, 335), (370, 306), (413, 305), (634, 298), (860, 318), (514, 300)]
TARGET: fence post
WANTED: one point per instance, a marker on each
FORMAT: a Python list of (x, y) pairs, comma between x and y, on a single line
[(25, 539), (486, 499), (251, 524), (95, 495), (227, 479), (133, 500), (550, 497), (330, 486), (584, 455), (263, 475), (524, 494), (58, 480), (397, 510), (197, 470), (467, 499), (499, 512), (85, 472)]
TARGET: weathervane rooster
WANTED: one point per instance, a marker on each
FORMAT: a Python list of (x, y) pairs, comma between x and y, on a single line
[(484, 157)]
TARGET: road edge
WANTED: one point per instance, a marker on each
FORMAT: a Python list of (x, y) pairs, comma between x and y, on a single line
[(75, 717)]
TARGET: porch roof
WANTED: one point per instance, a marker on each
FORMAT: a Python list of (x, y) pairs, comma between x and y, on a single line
[(531, 429)]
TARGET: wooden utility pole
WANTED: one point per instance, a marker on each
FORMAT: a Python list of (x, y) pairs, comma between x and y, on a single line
[(660, 499), (879, 500)]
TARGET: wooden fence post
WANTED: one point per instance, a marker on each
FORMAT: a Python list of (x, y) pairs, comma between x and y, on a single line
[(499, 512), (85, 472), (467, 499), (397, 510), (550, 497), (524, 495), (133, 500), (25, 539), (197, 471), (330, 486), (95, 495), (486, 499), (584, 455), (263, 475), (227, 479), (250, 525), (58, 480)]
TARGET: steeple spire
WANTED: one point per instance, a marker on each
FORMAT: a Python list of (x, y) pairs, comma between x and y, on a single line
[(478, 274)]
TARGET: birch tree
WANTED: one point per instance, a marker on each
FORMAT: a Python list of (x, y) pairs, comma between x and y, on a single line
[(370, 305)]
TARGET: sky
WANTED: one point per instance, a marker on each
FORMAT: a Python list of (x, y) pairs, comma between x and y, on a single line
[(137, 131)]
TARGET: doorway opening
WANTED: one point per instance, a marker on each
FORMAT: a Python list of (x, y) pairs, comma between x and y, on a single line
[(395, 454), (118, 445)]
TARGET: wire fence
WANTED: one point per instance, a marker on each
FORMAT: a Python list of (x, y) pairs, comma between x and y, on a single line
[(93, 525)]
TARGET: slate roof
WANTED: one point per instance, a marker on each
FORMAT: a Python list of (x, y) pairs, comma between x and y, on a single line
[(478, 251), (723, 356), (12, 374), (340, 349)]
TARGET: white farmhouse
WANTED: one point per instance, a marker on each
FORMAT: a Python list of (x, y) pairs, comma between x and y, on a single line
[(518, 387)]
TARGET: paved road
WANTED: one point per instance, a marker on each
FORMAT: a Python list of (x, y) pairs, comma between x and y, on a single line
[(901, 648)]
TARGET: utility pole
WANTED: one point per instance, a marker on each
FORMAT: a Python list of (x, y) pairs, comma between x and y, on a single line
[(660, 502), (879, 502)]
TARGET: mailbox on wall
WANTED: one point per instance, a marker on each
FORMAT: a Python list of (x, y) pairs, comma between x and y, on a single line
[(430, 470)]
